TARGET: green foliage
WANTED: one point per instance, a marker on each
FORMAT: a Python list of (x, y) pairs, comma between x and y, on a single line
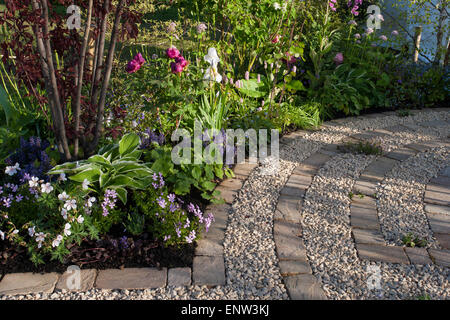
[(116, 166), (366, 148), (298, 117), (135, 224), (410, 240), (184, 178)]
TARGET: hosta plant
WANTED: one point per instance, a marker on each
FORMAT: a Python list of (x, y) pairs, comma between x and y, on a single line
[(116, 167)]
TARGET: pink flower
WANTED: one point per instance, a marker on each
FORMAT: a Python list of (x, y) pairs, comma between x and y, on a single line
[(339, 58), (180, 60), (395, 33), (383, 37), (172, 53), (139, 58), (276, 39), (177, 68), (332, 5), (135, 64)]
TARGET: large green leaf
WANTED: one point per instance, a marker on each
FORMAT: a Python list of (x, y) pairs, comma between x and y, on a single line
[(6, 105), (121, 193), (100, 160), (91, 175), (128, 143), (252, 88)]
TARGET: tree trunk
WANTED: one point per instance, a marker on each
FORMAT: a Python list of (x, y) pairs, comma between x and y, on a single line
[(440, 32)]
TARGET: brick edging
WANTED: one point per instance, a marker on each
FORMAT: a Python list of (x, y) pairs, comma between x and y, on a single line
[(364, 220), (369, 242)]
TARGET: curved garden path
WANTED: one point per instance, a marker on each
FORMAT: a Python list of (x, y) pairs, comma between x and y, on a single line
[(329, 224)]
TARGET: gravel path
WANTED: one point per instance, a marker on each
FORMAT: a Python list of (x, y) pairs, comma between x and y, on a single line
[(251, 263), (400, 196)]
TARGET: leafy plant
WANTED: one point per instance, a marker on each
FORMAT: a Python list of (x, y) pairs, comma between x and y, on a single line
[(135, 223), (410, 240), (116, 167), (366, 148)]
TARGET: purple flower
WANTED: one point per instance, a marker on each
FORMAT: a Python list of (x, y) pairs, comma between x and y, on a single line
[(171, 197), (176, 68), (339, 58), (191, 237), (19, 198), (161, 202)]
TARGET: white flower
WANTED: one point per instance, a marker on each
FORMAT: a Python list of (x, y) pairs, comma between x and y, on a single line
[(211, 74), (57, 241), (16, 231), (277, 6), (46, 187), (64, 213), (34, 182), (134, 123), (40, 237), (85, 184), (62, 177), (213, 59), (32, 231), (12, 170), (2, 235), (63, 196), (90, 201), (80, 219), (67, 231), (70, 204)]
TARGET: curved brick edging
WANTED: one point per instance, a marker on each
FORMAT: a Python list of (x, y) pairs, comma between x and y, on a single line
[(208, 265), (369, 242), (366, 228)]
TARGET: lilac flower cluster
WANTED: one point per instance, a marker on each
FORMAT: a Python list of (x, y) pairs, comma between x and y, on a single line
[(149, 137), (355, 5), (109, 201), (9, 194), (27, 155), (158, 181)]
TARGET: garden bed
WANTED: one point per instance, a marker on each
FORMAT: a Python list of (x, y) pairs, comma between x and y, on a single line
[(106, 253)]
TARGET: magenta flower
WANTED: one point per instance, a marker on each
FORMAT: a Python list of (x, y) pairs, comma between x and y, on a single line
[(172, 53), (177, 68), (180, 60), (139, 58), (276, 39), (339, 58), (135, 64)]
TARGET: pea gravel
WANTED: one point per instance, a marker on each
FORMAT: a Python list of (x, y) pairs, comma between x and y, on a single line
[(250, 259)]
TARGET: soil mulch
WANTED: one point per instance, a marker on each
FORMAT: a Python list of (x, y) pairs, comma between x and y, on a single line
[(106, 253)]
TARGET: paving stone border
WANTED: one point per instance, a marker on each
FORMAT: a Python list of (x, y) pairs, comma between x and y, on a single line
[(208, 265), (366, 229)]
